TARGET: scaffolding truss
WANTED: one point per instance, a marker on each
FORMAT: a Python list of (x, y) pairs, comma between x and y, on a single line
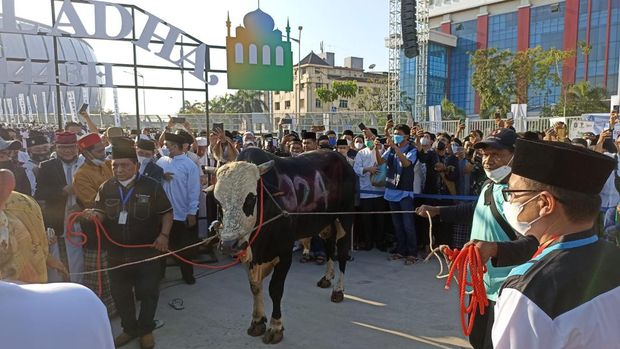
[(394, 43), (421, 76)]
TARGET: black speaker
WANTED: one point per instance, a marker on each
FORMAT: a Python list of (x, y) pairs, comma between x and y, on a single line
[(408, 27)]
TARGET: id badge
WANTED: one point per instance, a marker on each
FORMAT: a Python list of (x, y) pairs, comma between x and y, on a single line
[(122, 217)]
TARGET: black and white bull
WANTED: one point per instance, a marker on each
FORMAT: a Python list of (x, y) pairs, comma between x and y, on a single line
[(319, 181)]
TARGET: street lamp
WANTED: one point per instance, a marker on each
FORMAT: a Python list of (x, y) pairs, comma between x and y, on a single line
[(299, 69), (143, 90)]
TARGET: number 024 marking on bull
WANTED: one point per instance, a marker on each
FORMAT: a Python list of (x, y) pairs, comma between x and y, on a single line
[(310, 193)]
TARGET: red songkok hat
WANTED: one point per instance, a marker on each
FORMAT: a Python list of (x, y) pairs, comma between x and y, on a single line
[(65, 138), (88, 141)]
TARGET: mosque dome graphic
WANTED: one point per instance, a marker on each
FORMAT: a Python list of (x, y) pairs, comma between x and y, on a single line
[(259, 57)]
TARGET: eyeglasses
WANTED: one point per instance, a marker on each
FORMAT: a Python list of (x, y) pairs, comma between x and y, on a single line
[(508, 194)]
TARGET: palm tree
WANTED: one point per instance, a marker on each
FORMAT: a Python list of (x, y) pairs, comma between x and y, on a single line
[(247, 101), (449, 110), (581, 98)]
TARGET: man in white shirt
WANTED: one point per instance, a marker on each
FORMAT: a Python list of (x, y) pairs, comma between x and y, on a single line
[(182, 186), (371, 197)]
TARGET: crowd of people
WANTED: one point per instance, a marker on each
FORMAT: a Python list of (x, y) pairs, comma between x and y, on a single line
[(150, 188)]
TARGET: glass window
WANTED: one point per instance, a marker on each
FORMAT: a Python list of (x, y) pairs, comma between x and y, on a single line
[(343, 103), (287, 104), (276, 105), (317, 103), (461, 91), (503, 31)]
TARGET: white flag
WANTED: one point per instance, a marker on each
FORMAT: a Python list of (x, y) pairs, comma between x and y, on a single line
[(117, 115), (44, 100), (29, 107), (72, 106)]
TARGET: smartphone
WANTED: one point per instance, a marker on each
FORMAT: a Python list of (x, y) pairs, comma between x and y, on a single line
[(177, 120), (218, 126), (83, 107), (382, 140), (287, 132), (362, 126), (615, 109), (389, 117), (462, 120), (287, 121)]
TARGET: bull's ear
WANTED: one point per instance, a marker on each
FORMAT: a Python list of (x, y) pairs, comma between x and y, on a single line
[(265, 167)]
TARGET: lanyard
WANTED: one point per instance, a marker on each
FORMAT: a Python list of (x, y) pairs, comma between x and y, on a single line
[(543, 246), (125, 199)]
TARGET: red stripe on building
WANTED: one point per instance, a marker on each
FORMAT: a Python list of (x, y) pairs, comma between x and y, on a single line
[(482, 40), (446, 27), (523, 28), (586, 59), (607, 41), (571, 27)]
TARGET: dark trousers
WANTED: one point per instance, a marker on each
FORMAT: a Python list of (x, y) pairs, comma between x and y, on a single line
[(372, 227), (143, 279), (480, 336), (406, 239), (180, 236)]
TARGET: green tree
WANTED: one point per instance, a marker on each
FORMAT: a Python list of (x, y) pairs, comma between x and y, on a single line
[(493, 80), (192, 108), (344, 89), (449, 110), (246, 101), (580, 98), (373, 98), (503, 77)]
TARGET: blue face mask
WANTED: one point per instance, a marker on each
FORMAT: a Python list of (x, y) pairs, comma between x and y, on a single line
[(398, 139), (333, 141)]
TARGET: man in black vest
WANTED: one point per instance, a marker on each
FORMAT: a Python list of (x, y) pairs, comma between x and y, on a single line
[(401, 157)]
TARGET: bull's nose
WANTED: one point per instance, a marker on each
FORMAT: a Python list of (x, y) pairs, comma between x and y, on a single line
[(229, 246)]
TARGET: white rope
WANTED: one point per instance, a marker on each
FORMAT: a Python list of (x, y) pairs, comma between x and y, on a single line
[(434, 251)]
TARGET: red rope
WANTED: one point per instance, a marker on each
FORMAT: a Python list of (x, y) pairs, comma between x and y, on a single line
[(100, 229), (464, 262)]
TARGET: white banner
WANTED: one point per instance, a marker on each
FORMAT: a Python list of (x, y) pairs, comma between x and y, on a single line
[(44, 100), (9, 102), (22, 107), (72, 106), (579, 127), (519, 114), (62, 108), (29, 107), (117, 115), (36, 107)]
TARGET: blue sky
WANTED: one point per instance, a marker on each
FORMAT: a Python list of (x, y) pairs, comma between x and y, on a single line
[(347, 28)]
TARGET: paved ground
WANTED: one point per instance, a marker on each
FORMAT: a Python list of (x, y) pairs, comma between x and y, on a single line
[(409, 308)]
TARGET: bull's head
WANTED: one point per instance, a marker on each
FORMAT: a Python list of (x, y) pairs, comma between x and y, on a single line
[(236, 191)]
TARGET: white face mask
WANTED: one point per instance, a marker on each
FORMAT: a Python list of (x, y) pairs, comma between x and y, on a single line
[(512, 211), (359, 146), (425, 141), (500, 173), (126, 183), (455, 148)]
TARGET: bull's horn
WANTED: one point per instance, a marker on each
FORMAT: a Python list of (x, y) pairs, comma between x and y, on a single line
[(265, 167)]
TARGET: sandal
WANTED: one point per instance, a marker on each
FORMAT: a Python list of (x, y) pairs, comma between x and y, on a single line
[(409, 260), (305, 258), (320, 260), (176, 304), (395, 256)]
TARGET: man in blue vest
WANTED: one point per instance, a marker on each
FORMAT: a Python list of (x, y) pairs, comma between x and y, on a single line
[(400, 157)]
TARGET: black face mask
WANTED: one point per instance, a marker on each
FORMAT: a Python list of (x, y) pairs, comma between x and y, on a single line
[(38, 158)]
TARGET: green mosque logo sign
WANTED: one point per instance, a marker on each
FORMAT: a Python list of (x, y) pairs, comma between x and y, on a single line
[(258, 58)]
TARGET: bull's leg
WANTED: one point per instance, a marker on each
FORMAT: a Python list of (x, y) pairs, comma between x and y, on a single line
[(342, 245), (275, 332), (256, 275), (330, 247)]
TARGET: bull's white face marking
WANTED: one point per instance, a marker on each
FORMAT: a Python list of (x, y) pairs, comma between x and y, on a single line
[(235, 190)]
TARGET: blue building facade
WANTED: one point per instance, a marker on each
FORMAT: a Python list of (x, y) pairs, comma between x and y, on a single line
[(566, 25)]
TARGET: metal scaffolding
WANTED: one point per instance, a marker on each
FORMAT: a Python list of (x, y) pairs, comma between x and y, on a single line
[(394, 43), (421, 60)]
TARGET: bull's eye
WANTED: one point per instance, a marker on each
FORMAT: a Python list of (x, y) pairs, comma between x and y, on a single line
[(248, 205)]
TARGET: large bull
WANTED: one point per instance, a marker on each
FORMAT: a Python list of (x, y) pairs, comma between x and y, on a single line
[(320, 181)]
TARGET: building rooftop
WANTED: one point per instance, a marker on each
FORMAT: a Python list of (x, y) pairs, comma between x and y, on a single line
[(312, 58)]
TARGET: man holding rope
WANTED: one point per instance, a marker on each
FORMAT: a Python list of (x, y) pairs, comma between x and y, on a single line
[(568, 294), (489, 223), (137, 215)]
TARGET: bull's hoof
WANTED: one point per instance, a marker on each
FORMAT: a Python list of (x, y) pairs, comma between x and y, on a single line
[(273, 336), (337, 296), (259, 328), (324, 283)]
